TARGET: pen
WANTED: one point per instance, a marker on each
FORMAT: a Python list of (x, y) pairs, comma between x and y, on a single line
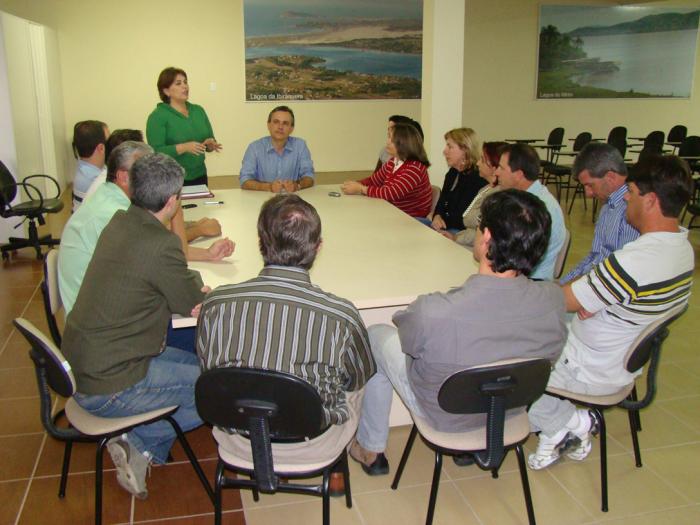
[(213, 203)]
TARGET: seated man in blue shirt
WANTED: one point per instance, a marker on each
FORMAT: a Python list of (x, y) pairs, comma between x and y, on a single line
[(278, 162), (602, 172), (89, 138)]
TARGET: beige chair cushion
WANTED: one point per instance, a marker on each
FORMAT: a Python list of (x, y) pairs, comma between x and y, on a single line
[(606, 400), (313, 454), (517, 428), (91, 425)]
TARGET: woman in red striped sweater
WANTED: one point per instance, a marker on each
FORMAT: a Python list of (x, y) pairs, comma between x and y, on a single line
[(403, 179)]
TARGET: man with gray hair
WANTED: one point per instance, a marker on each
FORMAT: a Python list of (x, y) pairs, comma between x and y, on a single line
[(115, 334), (602, 172), (85, 226)]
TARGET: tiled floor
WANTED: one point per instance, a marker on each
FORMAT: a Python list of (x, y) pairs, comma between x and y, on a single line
[(665, 490)]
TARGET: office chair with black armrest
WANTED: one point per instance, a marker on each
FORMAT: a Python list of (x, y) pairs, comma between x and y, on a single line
[(559, 172), (653, 141), (267, 437), (32, 210), (489, 389), (552, 147), (54, 374), (645, 349), (676, 136)]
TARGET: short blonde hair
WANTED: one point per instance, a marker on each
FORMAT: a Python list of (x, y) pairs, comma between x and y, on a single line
[(468, 142)]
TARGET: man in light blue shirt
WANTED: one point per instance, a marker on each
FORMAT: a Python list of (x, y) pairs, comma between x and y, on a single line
[(89, 138), (278, 162), (603, 174), (519, 168)]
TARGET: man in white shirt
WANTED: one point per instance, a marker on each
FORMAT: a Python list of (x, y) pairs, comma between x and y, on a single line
[(614, 302)]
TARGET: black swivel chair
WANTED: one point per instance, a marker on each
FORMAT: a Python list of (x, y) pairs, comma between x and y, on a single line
[(32, 210), (53, 374), (272, 439), (490, 390), (645, 349)]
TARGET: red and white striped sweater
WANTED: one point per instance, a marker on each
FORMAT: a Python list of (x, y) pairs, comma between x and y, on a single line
[(408, 188)]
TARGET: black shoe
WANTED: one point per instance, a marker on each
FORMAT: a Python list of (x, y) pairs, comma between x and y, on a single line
[(463, 460), (378, 468)]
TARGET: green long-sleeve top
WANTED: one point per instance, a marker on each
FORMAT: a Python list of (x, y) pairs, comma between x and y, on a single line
[(167, 127)]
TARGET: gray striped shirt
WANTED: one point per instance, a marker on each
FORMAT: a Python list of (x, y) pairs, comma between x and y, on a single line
[(280, 321)]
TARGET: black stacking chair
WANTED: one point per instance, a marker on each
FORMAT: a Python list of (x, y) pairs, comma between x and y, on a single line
[(676, 136), (490, 390), (560, 173), (618, 138), (645, 349), (654, 141), (53, 373), (32, 210), (260, 409), (553, 145)]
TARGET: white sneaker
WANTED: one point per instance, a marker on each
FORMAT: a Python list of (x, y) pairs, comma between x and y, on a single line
[(132, 466), (589, 427), (549, 449)]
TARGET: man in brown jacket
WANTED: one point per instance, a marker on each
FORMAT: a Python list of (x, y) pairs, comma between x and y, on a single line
[(115, 334)]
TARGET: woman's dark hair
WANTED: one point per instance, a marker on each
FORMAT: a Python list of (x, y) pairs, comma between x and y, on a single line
[(520, 227), (409, 144), (402, 119), (166, 79), (289, 232), (493, 151), (668, 177)]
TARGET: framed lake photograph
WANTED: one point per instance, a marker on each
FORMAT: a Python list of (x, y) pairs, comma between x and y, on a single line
[(333, 49), (616, 52)]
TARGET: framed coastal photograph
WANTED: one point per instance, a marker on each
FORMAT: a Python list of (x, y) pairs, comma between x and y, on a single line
[(333, 49), (616, 52)]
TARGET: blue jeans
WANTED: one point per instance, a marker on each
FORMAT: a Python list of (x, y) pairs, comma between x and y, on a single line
[(170, 381), (392, 374)]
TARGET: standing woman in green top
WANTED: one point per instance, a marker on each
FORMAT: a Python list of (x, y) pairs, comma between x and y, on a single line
[(180, 129)]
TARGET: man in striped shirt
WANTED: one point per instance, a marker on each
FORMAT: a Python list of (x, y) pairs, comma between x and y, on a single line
[(601, 170), (280, 321), (615, 301)]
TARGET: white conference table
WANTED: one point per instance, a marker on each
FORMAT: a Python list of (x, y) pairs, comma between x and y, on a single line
[(372, 253)]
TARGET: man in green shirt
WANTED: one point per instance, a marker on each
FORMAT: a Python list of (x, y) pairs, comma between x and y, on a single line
[(115, 334)]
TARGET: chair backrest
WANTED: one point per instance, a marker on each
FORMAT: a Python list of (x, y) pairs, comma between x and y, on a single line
[(45, 355), (677, 133), (265, 405), (492, 389), (655, 139), (53, 372), (581, 140), (653, 334), (690, 147), (562, 255), (8, 187), (435, 196), (619, 143), (618, 133), (51, 294), (556, 137)]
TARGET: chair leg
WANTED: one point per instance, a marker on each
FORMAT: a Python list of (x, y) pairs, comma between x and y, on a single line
[(218, 482), (346, 475), (64, 469), (326, 497), (603, 462), (193, 459), (98, 479), (404, 457), (256, 494), (526, 484), (434, 488), (638, 420)]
